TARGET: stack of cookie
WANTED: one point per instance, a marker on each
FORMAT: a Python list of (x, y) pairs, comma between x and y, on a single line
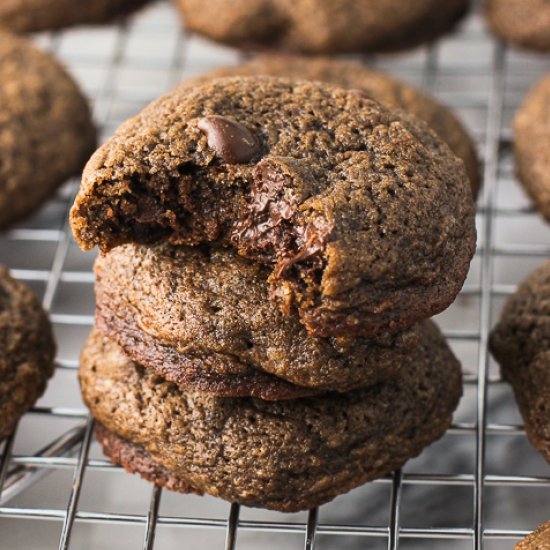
[(272, 250)]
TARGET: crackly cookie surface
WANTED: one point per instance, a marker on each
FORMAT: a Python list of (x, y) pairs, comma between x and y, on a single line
[(525, 23), (381, 86), (46, 131), (322, 26), (365, 217), (27, 351), (23, 16), (202, 318), (532, 145), (284, 455), (521, 344), (537, 540)]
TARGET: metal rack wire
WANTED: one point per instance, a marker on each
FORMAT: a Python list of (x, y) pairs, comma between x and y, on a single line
[(124, 67)]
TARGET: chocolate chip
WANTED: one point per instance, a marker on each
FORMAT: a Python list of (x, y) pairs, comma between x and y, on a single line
[(233, 142)]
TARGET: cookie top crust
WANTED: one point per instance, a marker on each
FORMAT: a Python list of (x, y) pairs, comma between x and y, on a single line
[(285, 455), (524, 23), (27, 351), (322, 26), (25, 16), (532, 145), (386, 89), (46, 130), (364, 215), (193, 313)]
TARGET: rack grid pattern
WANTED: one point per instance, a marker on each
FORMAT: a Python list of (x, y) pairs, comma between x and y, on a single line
[(124, 67)]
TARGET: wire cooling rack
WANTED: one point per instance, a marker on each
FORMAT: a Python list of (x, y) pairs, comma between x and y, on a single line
[(481, 486)]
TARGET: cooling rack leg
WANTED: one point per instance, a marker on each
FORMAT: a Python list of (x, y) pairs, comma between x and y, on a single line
[(232, 526), (4, 460), (311, 529), (64, 540), (397, 483), (494, 122), (21, 477), (150, 530)]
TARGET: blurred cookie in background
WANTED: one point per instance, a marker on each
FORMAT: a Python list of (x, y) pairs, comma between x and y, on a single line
[(532, 145), (520, 343), (322, 26), (524, 23), (23, 16), (46, 128)]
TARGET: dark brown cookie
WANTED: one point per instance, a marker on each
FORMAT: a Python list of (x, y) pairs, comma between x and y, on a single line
[(46, 131), (365, 216), (382, 87), (537, 540), (322, 26), (525, 23), (27, 351), (521, 344), (284, 455), (23, 16), (532, 145), (192, 314)]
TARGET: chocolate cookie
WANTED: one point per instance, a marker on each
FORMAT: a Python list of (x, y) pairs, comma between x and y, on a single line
[(521, 344), (322, 26), (387, 90), (285, 455), (192, 314), (46, 131), (525, 23), (41, 15), (27, 351), (364, 216), (532, 145), (537, 540)]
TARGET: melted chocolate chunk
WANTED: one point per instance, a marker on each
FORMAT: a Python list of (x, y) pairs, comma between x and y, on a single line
[(310, 241), (267, 227), (260, 229), (233, 142)]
